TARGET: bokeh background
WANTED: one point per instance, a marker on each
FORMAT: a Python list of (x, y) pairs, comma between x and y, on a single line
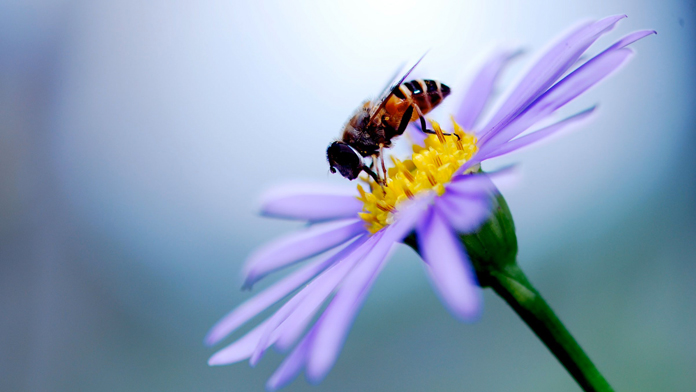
[(136, 137)]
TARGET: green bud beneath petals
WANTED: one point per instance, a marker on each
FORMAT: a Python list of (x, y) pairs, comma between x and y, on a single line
[(493, 247), (492, 250)]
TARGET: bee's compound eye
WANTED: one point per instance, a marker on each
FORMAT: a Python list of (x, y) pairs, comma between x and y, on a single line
[(332, 169), (344, 159)]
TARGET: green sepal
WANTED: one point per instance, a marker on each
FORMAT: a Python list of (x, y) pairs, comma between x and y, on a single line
[(492, 250), (493, 247)]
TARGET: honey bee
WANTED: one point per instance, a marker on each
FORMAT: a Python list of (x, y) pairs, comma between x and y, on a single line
[(374, 124)]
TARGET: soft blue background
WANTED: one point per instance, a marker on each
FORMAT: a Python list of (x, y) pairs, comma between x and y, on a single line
[(136, 136)]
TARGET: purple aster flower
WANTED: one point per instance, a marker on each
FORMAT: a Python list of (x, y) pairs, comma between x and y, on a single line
[(430, 201)]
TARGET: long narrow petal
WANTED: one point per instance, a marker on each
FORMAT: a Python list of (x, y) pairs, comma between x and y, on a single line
[(264, 335), (297, 322), (299, 357), (415, 134), (291, 366), (536, 136), (299, 246), (473, 184), (465, 213), (278, 317), (308, 300), (318, 292), (240, 349), (273, 294), (333, 327), (310, 203), (448, 267), (572, 85), (296, 325), (479, 92), (477, 95), (629, 39), (546, 71), (560, 94), (296, 360)]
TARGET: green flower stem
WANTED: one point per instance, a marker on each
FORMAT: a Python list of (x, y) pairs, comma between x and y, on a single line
[(512, 285), (493, 253)]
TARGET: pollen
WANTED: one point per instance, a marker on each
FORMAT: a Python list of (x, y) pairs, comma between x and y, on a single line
[(429, 170)]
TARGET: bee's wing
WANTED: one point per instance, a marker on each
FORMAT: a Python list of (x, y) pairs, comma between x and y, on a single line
[(389, 91), (391, 83)]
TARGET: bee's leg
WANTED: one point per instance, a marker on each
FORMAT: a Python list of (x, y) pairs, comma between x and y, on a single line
[(405, 119), (425, 129), (381, 158), (379, 178), (371, 174), (421, 117)]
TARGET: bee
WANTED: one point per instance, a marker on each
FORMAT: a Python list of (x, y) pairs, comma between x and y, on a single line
[(374, 124)]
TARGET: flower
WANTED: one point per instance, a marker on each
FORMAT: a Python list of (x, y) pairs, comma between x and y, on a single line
[(438, 194), (430, 168)]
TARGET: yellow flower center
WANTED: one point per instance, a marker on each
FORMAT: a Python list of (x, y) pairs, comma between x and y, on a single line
[(429, 169)]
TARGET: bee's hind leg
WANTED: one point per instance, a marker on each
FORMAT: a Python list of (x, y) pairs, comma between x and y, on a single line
[(425, 129), (421, 117), (381, 159)]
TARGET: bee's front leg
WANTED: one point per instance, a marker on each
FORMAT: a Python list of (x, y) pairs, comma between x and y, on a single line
[(381, 157), (372, 174), (375, 176)]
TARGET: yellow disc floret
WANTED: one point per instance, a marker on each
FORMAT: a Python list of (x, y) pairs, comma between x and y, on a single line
[(429, 169)]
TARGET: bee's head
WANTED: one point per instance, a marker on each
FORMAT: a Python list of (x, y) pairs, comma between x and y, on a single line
[(345, 159)]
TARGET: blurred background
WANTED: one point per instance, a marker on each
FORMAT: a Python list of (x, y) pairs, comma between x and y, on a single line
[(136, 137)]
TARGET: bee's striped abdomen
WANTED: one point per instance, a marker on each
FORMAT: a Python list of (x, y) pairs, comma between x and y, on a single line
[(425, 93)]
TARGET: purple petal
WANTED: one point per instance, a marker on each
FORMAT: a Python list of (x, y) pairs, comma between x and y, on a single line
[(546, 71), (415, 134), (566, 90), (543, 133), (479, 91), (560, 94), (291, 366), (296, 325), (471, 184), (294, 363), (263, 336), (318, 291), (299, 246), (448, 267), (407, 217), (273, 294), (475, 160), (630, 38), (240, 349), (465, 213), (308, 300), (311, 203), (272, 323), (332, 328)]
